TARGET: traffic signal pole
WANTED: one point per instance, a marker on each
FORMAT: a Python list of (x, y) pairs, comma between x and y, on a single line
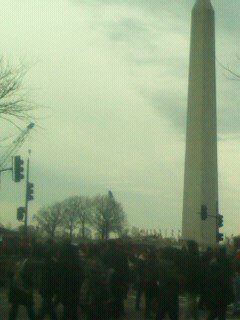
[(219, 220), (26, 201)]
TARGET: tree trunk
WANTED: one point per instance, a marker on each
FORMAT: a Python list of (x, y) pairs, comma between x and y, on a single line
[(103, 233), (71, 233), (52, 234), (106, 231), (83, 230)]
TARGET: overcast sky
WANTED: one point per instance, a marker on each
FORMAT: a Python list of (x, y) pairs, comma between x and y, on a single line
[(114, 76)]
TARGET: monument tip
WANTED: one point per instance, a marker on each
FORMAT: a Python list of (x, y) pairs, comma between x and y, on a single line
[(203, 4), (204, 1)]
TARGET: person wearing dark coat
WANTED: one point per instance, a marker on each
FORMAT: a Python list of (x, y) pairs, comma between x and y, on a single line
[(206, 258), (236, 283), (193, 278), (150, 282), (139, 263), (115, 259), (48, 287), (21, 289), (168, 288), (94, 291), (70, 281), (218, 291)]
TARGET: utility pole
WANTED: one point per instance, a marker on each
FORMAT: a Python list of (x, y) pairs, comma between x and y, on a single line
[(14, 147), (29, 195), (26, 200)]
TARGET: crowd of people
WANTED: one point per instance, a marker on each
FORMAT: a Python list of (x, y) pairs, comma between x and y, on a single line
[(92, 283)]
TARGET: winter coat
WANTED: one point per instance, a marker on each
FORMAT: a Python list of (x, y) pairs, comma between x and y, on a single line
[(168, 281), (139, 269), (70, 281), (94, 290), (117, 263), (192, 274), (49, 279), (21, 285), (217, 290)]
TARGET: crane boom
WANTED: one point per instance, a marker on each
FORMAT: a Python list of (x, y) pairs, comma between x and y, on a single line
[(15, 146)]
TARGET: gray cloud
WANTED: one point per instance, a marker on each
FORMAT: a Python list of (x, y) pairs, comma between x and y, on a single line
[(134, 26), (130, 30), (229, 120), (151, 4), (146, 49), (173, 107), (114, 72), (227, 15), (170, 106)]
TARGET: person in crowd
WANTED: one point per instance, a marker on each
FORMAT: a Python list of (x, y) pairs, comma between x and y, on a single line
[(21, 288), (139, 269), (236, 283), (205, 258), (192, 281), (218, 291), (70, 280), (48, 286), (94, 293), (168, 287), (116, 261), (150, 282)]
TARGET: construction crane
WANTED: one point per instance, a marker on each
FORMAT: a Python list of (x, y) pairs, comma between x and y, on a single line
[(15, 146)]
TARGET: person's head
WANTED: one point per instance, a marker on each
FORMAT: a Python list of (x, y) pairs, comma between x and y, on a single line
[(93, 252), (26, 252), (112, 245), (213, 260), (151, 254), (193, 247), (221, 253), (50, 254), (69, 254), (50, 242), (209, 250), (143, 255)]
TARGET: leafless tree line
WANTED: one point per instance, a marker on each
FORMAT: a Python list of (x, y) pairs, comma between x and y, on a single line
[(102, 214)]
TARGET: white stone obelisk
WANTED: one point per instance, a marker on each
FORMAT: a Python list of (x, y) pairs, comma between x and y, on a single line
[(201, 169)]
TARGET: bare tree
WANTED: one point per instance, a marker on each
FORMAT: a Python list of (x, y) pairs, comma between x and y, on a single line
[(108, 215), (50, 218), (70, 215), (14, 104), (84, 211), (231, 75)]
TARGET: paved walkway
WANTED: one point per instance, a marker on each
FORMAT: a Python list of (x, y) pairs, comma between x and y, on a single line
[(131, 314)]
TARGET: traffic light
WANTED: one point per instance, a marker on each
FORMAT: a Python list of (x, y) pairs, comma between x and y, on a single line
[(220, 220), (204, 212), (18, 169), (30, 191), (20, 213), (219, 236)]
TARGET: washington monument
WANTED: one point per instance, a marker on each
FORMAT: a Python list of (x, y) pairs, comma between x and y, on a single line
[(201, 168)]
